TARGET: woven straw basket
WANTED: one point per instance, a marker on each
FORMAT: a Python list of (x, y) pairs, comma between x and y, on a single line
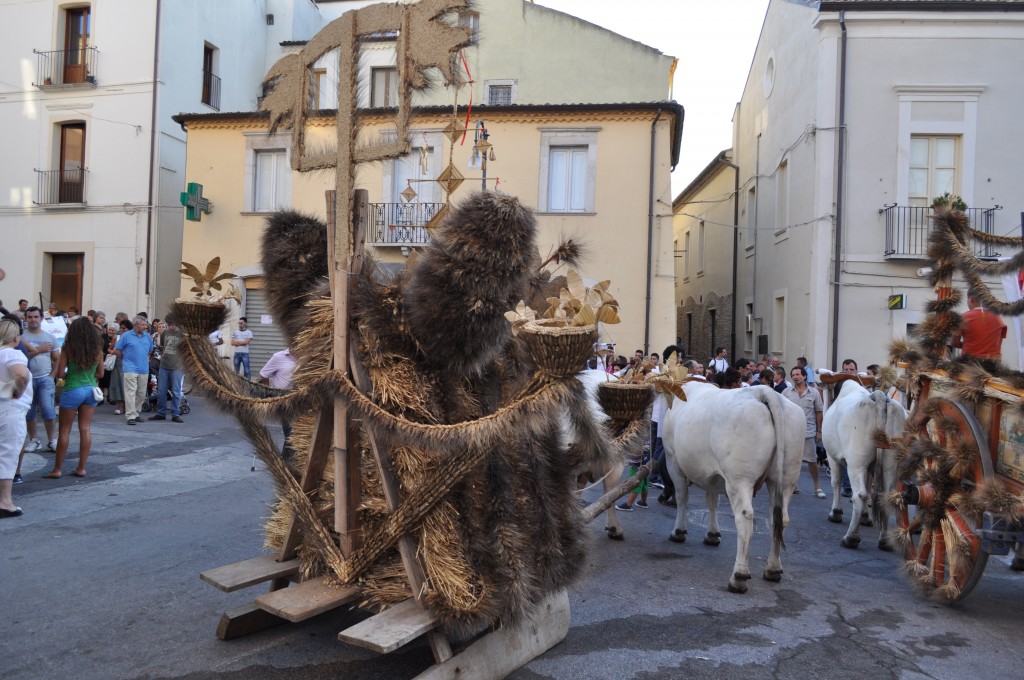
[(199, 318), (625, 401), (559, 350)]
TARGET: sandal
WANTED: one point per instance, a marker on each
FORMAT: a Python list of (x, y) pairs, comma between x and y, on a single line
[(819, 493), (118, 412)]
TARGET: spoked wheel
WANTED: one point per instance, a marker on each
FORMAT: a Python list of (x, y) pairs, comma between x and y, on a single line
[(941, 468)]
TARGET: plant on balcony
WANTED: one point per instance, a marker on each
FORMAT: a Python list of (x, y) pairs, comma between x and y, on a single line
[(948, 200), (48, 81)]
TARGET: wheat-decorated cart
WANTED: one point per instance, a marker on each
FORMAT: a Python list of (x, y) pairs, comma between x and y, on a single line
[(961, 471), (436, 451)]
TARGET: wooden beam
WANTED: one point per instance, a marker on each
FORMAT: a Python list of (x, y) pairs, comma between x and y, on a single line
[(307, 599), (232, 577), (245, 620), (395, 626), (498, 654), (319, 450), (393, 498)]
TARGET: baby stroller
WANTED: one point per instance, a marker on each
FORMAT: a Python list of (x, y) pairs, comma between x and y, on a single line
[(151, 391)]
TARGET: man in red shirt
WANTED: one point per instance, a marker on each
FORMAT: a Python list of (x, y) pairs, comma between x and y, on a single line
[(982, 333)]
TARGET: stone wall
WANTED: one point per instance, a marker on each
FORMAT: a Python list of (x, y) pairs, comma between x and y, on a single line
[(696, 330)]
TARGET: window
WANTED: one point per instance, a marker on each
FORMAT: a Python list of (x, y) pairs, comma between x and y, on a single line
[(751, 209), (471, 20), (782, 198), (689, 332), (713, 326), (317, 89), (211, 83), (71, 173), (383, 87), (66, 279), (568, 170), (501, 92), (700, 247), (76, 44), (499, 95), (686, 256), (567, 176), (779, 324), (270, 170), (933, 168), (268, 175)]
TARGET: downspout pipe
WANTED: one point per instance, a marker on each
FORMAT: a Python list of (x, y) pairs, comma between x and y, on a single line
[(154, 163), (650, 236), (840, 181), (735, 243)]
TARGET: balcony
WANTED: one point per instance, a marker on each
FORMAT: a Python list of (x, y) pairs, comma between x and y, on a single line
[(400, 224), (65, 69), (211, 90), (61, 187), (907, 229)]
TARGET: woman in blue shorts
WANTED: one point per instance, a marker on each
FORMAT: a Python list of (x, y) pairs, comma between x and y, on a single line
[(82, 357)]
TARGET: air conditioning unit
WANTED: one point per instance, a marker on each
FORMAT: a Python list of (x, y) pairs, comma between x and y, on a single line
[(750, 323)]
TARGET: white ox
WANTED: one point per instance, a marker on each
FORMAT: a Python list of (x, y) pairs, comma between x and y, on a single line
[(848, 433), (732, 442)]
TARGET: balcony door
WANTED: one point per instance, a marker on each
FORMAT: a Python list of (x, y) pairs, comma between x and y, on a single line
[(66, 279), (71, 176), (76, 44)]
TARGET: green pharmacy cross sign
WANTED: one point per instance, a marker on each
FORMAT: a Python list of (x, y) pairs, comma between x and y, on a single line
[(195, 204)]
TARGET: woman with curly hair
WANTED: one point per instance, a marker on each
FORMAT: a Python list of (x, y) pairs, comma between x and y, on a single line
[(82, 356)]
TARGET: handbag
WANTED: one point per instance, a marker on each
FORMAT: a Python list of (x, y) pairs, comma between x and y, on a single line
[(109, 362), (97, 394)]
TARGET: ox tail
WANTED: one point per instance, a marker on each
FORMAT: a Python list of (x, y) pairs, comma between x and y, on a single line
[(878, 514), (770, 399)]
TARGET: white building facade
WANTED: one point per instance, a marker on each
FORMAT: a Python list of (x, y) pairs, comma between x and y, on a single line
[(855, 115), (94, 165)]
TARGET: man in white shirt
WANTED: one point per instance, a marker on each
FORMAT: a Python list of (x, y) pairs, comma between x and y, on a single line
[(277, 373), (240, 340)]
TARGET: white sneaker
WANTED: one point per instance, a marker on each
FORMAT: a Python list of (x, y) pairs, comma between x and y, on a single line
[(52, 445), (33, 446)]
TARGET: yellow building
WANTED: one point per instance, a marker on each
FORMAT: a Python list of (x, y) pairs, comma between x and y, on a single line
[(596, 172)]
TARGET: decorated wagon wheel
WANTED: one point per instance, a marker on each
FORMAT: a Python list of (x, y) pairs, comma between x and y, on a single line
[(949, 458)]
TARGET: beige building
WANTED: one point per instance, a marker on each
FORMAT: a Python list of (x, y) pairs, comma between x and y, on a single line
[(588, 145), (854, 117)]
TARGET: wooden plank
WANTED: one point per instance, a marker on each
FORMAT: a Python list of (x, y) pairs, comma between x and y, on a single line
[(305, 600), (392, 628), (232, 577), (244, 621), (498, 654), (319, 450)]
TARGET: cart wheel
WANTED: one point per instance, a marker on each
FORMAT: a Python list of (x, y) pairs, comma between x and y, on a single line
[(185, 409), (950, 457), (146, 407)]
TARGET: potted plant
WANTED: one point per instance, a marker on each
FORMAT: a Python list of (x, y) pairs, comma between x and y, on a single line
[(950, 201)]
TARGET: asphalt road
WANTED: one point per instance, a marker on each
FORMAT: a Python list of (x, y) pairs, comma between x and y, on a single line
[(99, 580)]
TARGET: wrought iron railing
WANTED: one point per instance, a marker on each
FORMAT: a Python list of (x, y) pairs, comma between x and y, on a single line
[(66, 68), (211, 90), (61, 186), (400, 224), (907, 229)]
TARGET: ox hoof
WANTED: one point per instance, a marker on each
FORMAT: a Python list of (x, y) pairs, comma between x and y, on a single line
[(738, 583), (865, 520), (615, 533), (678, 536), (773, 575), (836, 516), (850, 542), (885, 544), (712, 538)]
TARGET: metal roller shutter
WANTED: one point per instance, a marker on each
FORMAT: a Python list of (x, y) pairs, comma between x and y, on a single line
[(267, 338)]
